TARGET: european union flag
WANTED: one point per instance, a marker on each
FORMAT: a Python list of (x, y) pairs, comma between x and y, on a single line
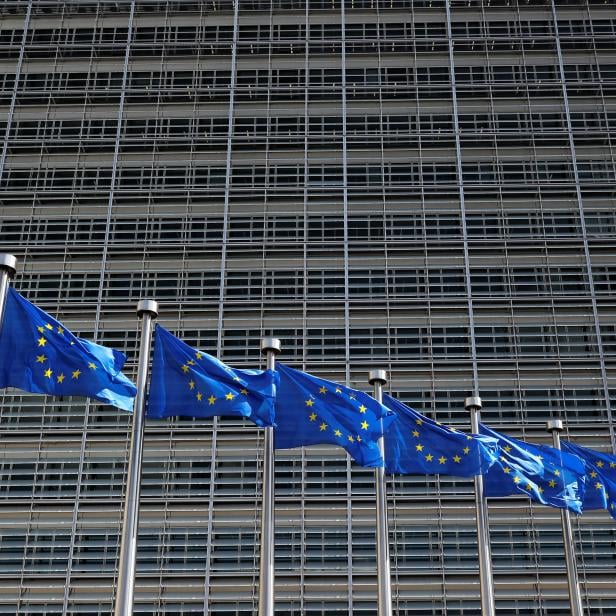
[(313, 411), (545, 474), (190, 383), (418, 445), (38, 354), (600, 477)]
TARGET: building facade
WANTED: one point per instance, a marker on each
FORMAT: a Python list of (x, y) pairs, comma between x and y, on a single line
[(425, 186)]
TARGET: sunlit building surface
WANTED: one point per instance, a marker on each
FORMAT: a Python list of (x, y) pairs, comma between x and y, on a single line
[(425, 186)]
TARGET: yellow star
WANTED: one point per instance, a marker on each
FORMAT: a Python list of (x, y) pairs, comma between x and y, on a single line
[(323, 426), (529, 486), (362, 408), (469, 437), (338, 390), (600, 464), (199, 396), (337, 433), (191, 384), (593, 474), (466, 450), (457, 458), (557, 473), (48, 326), (540, 489), (42, 342), (211, 400), (415, 433), (552, 483), (244, 391), (230, 396), (419, 447), (40, 328), (442, 460), (503, 459), (507, 448), (312, 416), (48, 373), (191, 362), (198, 355), (612, 464), (323, 390), (352, 397), (185, 368), (506, 470), (598, 485), (60, 378), (60, 331), (418, 422), (76, 374), (92, 366), (364, 425), (309, 402), (351, 439), (516, 479), (41, 359), (236, 378), (429, 457)]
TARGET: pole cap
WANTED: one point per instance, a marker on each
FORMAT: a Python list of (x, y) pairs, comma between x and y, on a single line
[(472, 403), (270, 344), (554, 425), (149, 306), (377, 376), (9, 263)]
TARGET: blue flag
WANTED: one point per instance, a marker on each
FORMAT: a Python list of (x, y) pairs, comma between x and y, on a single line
[(38, 354), (313, 411), (418, 445), (600, 478), (543, 473), (190, 383)]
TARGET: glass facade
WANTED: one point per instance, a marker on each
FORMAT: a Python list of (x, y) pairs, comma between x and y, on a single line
[(425, 186)]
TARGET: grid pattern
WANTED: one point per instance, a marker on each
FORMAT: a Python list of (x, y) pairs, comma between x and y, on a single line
[(425, 186)]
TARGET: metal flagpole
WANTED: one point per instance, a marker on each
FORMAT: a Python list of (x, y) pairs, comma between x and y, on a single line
[(8, 264), (378, 378), (271, 347), (147, 309), (473, 405), (555, 426)]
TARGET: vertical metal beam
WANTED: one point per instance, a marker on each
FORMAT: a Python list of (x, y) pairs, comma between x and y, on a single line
[(147, 309), (8, 264), (555, 426), (378, 378), (473, 405), (271, 347)]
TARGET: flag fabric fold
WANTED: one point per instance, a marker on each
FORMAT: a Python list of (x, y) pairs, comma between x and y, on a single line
[(313, 411), (545, 474), (187, 382), (38, 354), (418, 445), (600, 467)]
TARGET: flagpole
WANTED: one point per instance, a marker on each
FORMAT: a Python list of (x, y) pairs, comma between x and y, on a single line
[(271, 347), (473, 405), (555, 426), (378, 378), (8, 264), (147, 309)]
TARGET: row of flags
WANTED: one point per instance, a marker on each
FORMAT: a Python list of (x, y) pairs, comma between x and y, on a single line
[(38, 354)]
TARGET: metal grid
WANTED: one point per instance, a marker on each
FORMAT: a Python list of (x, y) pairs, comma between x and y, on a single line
[(424, 186)]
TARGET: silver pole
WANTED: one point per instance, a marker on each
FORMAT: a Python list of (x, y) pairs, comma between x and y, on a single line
[(473, 405), (8, 265), (147, 309), (269, 346), (555, 426), (378, 378)]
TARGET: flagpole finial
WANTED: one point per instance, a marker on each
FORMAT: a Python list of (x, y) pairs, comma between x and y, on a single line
[(554, 425), (472, 403), (148, 306), (377, 376), (270, 344), (8, 263)]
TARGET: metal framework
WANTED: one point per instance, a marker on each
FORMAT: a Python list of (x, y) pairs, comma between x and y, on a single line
[(423, 186)]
